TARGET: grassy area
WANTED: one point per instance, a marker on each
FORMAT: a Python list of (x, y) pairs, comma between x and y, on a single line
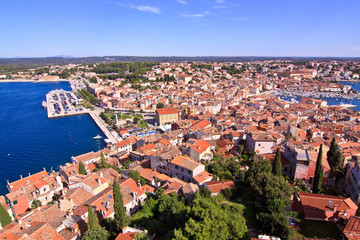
[(249, 212), (142, 124), (125, 116), (319, 229), (109, 115)]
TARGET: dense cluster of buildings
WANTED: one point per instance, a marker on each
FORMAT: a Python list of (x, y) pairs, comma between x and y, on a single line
[(209, 111)]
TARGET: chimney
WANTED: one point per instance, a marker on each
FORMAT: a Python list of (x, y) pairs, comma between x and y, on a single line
[(100, 174), (139, 184), (217, 179), (154, 169), (99, 182), (29, 174), (21, 176)]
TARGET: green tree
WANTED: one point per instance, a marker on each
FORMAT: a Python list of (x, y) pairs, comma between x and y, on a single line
[(120, 217), (240, 148), (331, 154), (93, 79), (277, 165), (160, 105), (136, 176), (82, 169), (212, 218), (5, 218), (319, 171), (227, 193), (338, 160), (93, 222), (275, 223), (97, 234), (141, 236), (35, 204)]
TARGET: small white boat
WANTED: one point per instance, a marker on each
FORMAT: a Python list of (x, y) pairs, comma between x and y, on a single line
[(44, 104), (97, 137)]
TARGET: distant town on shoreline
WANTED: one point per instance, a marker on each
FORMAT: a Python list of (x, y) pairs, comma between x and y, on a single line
[(246, 146)]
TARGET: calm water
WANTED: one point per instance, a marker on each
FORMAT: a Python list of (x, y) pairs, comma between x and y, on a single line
[(29, 141), (335, 101)]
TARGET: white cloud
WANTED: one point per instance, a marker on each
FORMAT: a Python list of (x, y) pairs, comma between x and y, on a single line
[(181, 1), (151, 9), (198, 15)]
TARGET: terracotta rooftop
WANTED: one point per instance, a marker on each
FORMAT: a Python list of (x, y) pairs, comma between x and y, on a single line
[(27, 180), (185, 162), (166, 111)]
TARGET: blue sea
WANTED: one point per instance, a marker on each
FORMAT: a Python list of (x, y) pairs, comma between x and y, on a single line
[(29, 141), (337, 101)]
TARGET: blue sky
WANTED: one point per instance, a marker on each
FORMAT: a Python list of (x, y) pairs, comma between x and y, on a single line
[(79, 28)]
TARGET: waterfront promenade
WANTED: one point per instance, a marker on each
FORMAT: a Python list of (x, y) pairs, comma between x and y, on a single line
[(111, 135), (59, 104)]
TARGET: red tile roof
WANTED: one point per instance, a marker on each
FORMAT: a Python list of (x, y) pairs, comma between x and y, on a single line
[(166, 111), (200, 146), (27, 180), (352, 228), (218, 186)]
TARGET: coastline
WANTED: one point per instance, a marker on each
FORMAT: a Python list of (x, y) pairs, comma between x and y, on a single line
[(32, 81)]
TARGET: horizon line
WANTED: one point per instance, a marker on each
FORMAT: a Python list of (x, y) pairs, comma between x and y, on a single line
[(180, 56)]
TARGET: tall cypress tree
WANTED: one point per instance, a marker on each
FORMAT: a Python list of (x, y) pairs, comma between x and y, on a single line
[(93, 222), (120, 217), (277, 165), (82, 169), (319, 171), (5, 218), (331, 154), (338, 160)]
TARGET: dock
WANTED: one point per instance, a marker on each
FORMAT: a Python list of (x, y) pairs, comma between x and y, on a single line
[(111, 135), (59, 103)]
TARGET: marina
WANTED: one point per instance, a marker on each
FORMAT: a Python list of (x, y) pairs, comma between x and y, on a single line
[(61, 103), (33, 141)]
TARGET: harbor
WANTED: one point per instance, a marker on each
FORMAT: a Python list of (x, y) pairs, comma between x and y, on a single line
[(112, 136), (61, 103)]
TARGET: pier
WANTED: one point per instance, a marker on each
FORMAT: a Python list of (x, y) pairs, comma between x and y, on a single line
[(111, 135), (59, 103)]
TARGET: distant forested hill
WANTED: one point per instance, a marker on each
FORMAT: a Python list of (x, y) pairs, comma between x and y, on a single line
[(38, 62)]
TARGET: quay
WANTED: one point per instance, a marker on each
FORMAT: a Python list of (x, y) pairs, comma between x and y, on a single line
[(59, 103), (111, 135)]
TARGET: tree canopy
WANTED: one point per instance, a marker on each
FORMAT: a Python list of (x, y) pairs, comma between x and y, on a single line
[(277, 165), (319, 171), (82, 169), (120, 217)]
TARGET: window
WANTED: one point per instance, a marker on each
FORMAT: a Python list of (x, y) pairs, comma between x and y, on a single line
[(182, 169), (176, 167), (189, 172), (259, 144), (14, 202)]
